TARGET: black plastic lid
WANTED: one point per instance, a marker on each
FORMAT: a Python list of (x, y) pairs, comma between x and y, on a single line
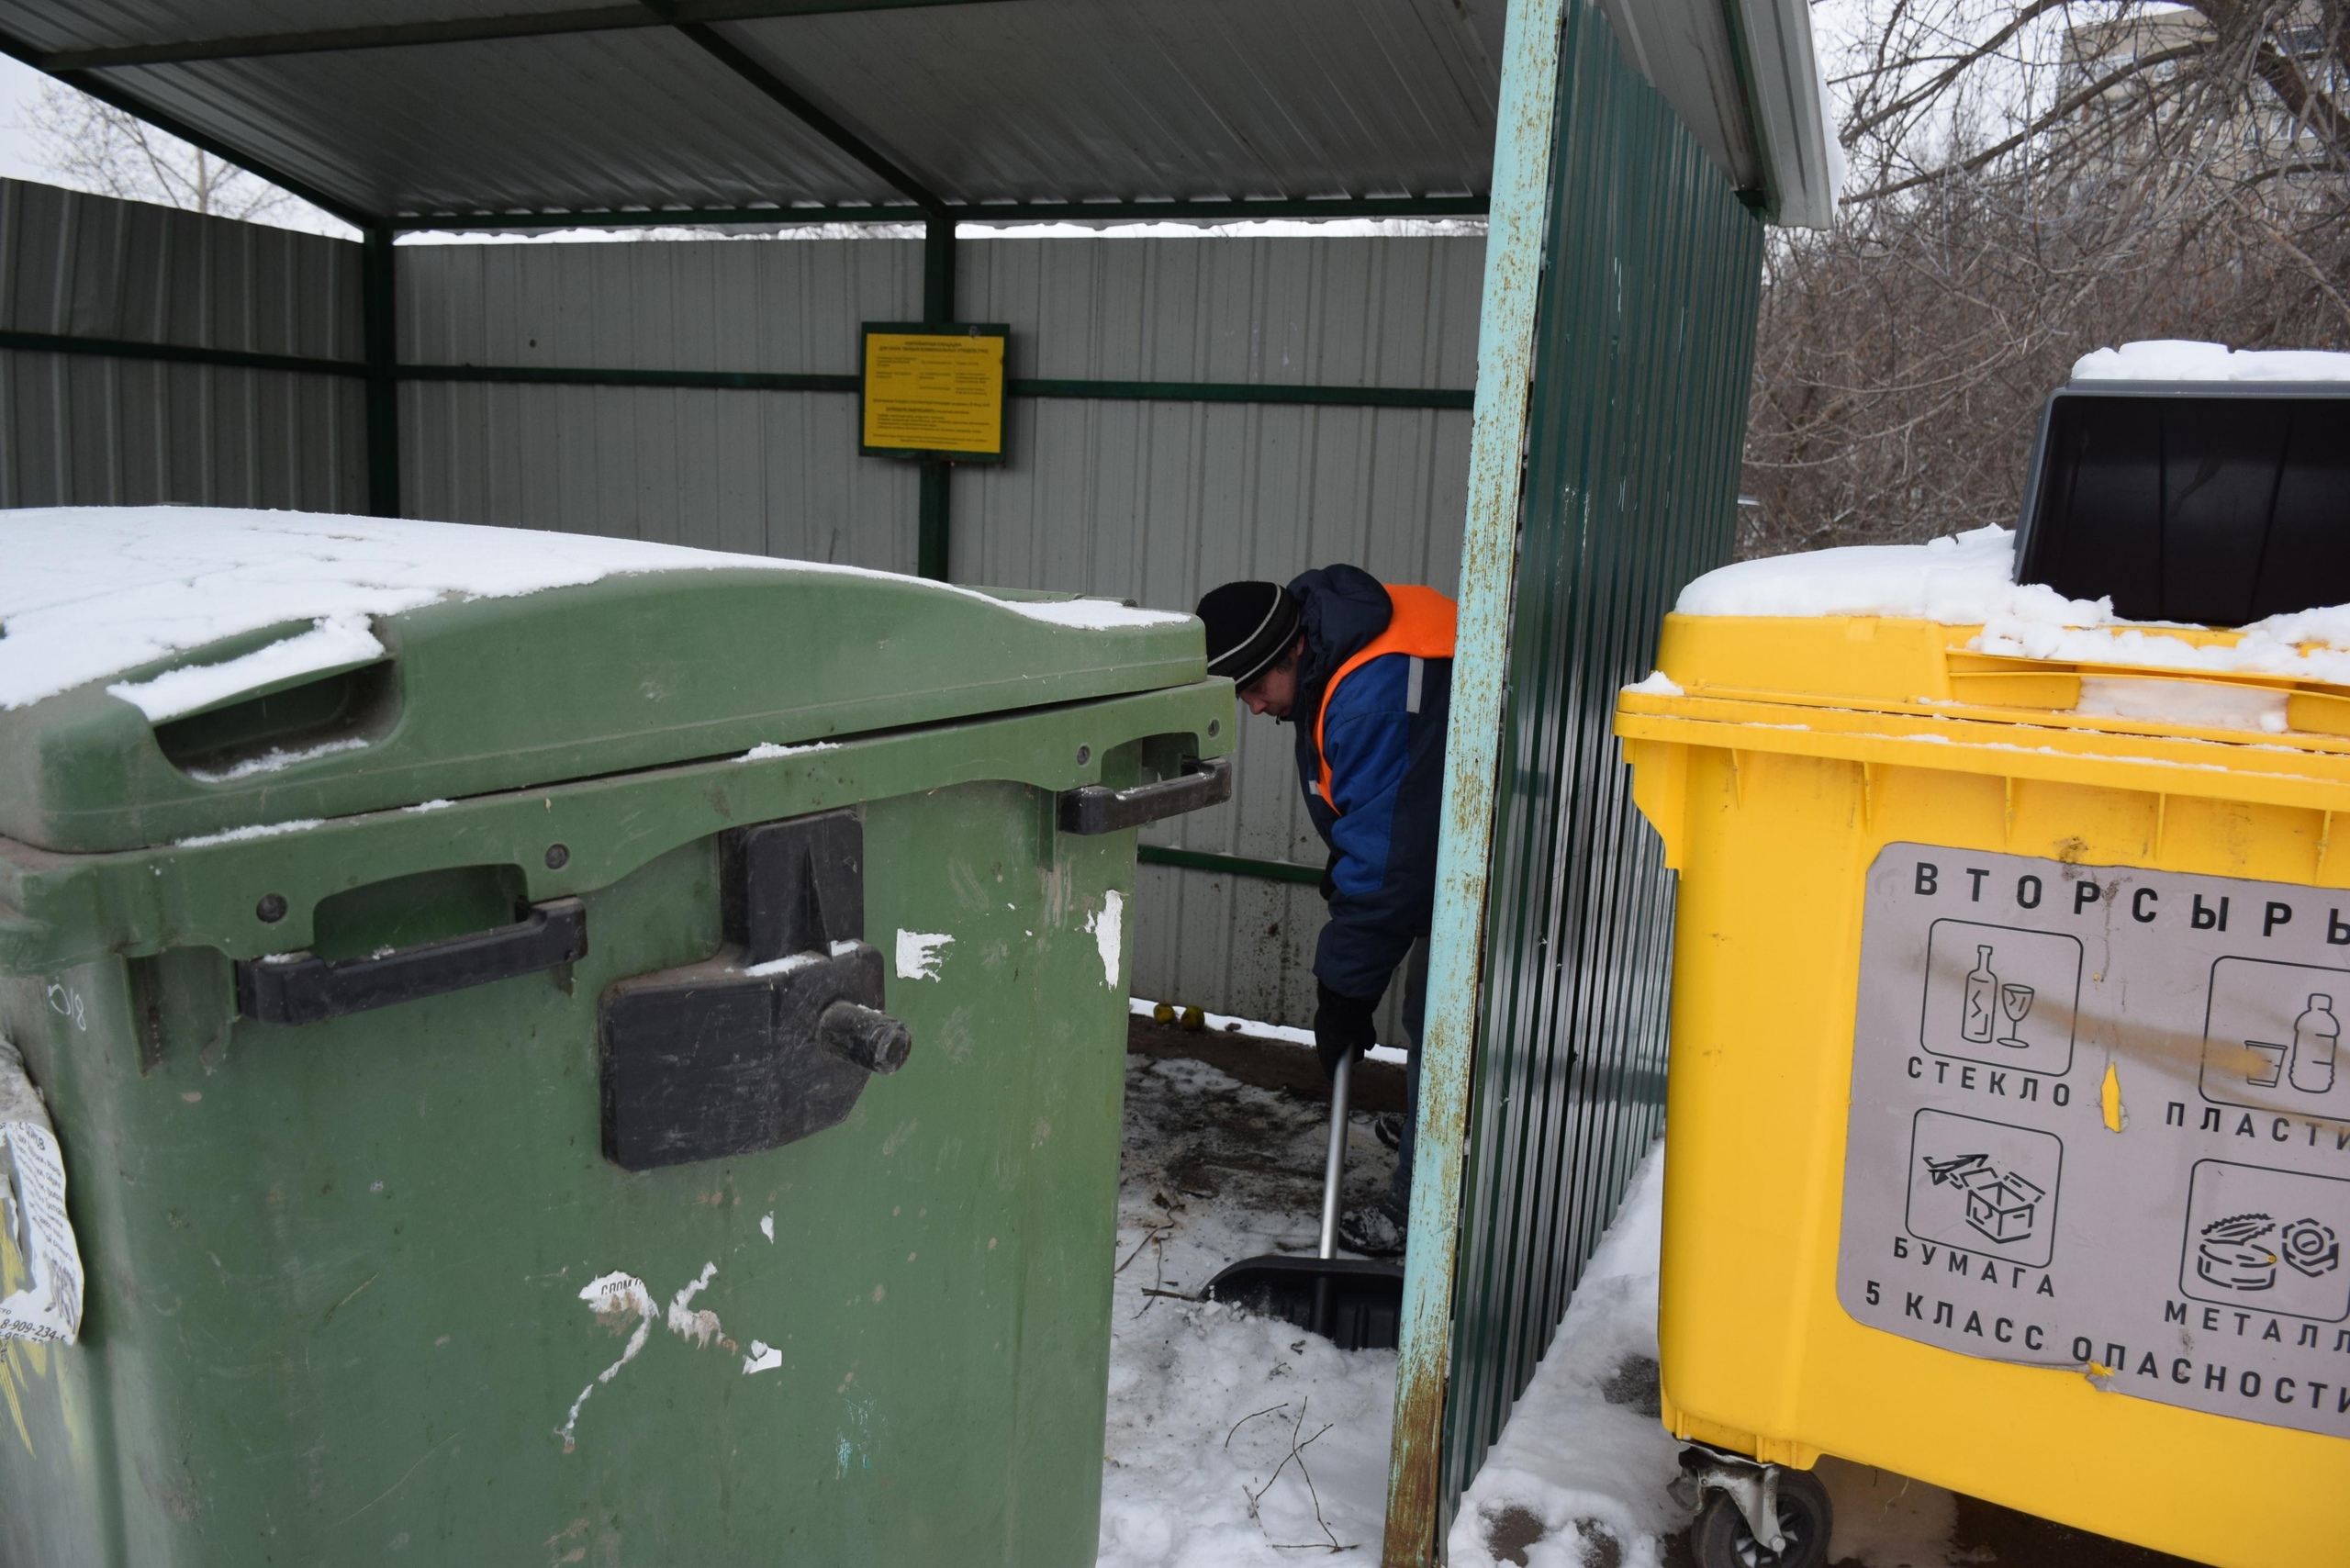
[(2211, 503)]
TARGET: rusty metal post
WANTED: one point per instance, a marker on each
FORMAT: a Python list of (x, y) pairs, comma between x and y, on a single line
[(1520, 209)]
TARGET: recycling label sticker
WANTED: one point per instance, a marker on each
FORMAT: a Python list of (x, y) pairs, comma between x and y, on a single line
[(2010, 1011)]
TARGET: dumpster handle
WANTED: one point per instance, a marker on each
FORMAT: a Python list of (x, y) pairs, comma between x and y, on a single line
[(1097, 808), (301, 988)]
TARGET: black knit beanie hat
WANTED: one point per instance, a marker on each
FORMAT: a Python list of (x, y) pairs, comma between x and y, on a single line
[(1250, 626)]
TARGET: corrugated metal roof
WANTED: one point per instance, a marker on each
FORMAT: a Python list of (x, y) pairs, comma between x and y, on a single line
[(1740, 74), (1785, 103), (592, 120), (442, 107), (1021, 100), (1684, 47), (1072, 99)]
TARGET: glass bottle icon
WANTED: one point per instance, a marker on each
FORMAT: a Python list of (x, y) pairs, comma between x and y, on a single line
[(2316, 1036), (1981, 1018)]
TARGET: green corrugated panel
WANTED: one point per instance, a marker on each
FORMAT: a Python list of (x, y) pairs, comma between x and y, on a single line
[(1643, 348)]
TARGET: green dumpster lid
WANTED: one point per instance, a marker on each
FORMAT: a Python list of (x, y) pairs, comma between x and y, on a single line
[(176, 672)]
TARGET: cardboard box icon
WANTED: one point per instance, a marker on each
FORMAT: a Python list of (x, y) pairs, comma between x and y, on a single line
[(2004, 1207)]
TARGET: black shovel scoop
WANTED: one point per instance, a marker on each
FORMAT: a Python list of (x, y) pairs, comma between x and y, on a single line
[(1356, 1304)]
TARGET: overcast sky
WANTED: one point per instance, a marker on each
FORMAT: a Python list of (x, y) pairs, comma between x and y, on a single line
[(19, 85)]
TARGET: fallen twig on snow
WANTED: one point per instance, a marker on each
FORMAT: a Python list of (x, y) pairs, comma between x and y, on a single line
[(1330, 1541), (1252, 1415), (1157, 1233)]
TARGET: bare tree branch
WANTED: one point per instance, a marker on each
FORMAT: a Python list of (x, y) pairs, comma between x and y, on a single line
[(1960, 63), (2036, 180), (2064, 107), (2301, 257), (97, 147)]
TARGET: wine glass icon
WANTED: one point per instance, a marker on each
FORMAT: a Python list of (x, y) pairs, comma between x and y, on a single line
[(2015, 1001)]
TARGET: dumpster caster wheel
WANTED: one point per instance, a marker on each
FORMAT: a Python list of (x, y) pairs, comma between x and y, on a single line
[(1723, 1538)]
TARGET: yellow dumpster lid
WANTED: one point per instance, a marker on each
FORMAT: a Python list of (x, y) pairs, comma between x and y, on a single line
[(1933, 656)]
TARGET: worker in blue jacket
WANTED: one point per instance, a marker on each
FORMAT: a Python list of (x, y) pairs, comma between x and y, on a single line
[(1364, 671)]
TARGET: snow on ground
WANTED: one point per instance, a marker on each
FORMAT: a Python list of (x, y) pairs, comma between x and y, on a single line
[(1206, 1404), (2174, 359), (1225, 1023), (93, 591), (1581, 1472), (1234, 1442), (1585, 1453)]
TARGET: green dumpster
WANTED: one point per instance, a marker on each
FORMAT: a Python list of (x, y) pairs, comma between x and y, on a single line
[(562, 1049)]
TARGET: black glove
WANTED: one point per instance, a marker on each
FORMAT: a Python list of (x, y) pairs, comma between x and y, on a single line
[(1341, 1023)]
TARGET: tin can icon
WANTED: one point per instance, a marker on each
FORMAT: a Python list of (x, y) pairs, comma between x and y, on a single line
[(2232, 1255)]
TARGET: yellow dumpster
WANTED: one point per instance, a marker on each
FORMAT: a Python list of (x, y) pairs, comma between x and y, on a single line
[(2010, 1120)]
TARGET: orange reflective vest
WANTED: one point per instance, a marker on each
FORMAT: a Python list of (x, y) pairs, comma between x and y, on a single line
[(1422, 626)]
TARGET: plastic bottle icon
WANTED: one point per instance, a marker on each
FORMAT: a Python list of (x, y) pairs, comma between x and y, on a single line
[(2316, 1036), (1981, 1019)]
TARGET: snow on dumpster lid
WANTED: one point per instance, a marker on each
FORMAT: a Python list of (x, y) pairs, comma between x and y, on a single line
[(169, 672), (1965, 579), (1968, 579), (2174, 359), (92, 591)]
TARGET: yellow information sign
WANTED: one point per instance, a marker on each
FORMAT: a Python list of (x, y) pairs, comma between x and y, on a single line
[(933, 391)]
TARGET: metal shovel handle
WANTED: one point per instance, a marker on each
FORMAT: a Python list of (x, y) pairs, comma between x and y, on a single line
[(1334, 1164)]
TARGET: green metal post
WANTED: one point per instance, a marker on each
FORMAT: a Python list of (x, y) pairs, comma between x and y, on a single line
[(1488, 584), (938, 270), (930, 543), (937, 309), (381, 345), (1601, 477)]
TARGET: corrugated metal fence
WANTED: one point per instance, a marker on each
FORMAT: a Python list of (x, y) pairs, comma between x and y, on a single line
[(765, 473), (1643, 347), (1152, 499), (100, 429)]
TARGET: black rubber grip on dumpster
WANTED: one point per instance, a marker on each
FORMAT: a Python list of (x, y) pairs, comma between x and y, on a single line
[(793, 886), (771, 1039), (709, 1060), (2215, 505), (1097, 808), (301, 989)]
